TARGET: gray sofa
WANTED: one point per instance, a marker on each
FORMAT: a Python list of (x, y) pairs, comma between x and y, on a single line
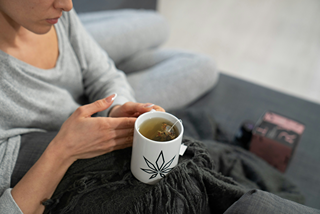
[(233, 101)]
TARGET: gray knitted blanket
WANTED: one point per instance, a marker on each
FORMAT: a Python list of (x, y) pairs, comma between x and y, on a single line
[(209, 178), (106, 185)]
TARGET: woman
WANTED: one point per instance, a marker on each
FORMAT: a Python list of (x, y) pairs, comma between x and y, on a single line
[(48, 64)]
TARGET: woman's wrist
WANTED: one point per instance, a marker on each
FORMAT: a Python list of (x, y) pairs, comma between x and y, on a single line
[(60, 155), (41, 180), (112, 110)]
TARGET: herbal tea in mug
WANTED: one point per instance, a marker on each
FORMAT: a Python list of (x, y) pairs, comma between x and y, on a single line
[(152, 159), (158, 129)]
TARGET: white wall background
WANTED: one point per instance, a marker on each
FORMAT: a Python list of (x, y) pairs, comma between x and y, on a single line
[(275, 43)]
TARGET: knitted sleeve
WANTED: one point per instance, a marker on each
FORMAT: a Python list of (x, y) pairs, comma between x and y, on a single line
[(100, 76), (8, 205)]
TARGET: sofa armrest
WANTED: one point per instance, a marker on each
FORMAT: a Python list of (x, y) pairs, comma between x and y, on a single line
[(98, 5)]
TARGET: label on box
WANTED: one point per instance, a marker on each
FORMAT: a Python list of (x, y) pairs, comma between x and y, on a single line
[(280, 128)]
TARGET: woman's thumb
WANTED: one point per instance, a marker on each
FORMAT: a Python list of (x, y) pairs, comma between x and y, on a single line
[(99, 105)]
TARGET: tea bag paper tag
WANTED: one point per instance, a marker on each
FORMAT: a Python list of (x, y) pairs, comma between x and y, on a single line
[(183, 148)]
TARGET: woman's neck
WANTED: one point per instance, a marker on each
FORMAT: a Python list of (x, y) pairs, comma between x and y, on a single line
[(11, 33), (39, 50)]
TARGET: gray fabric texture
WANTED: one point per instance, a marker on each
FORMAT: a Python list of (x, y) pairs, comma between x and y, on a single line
[(166, 77), (261, 202), (98, 5), (233, 161), (42, 100), (8, 204), (234, 100), (31, 148), (123, 33), (105, 185), (39, 100)]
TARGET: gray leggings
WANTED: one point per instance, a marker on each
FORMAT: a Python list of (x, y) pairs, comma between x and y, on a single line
[(169, 78)]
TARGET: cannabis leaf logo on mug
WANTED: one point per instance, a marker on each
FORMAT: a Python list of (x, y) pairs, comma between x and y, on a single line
[(161, 166)]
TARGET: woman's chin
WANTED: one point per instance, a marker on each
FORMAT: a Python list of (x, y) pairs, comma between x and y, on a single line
[(41, 29)]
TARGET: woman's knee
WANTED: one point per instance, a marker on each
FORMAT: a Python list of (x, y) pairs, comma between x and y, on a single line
[(204, 71), (209, 71), (123, 33)]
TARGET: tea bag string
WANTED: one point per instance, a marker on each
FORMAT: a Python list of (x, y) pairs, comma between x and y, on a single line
[(175, 124)]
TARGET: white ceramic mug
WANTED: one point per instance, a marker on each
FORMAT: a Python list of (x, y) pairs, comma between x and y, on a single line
[(152, 160)]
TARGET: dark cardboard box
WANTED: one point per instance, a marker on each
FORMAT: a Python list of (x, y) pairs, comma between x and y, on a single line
[(274, 139)]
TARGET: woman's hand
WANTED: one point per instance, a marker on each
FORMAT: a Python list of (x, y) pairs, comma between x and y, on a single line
[(131, 109), (83, 136)]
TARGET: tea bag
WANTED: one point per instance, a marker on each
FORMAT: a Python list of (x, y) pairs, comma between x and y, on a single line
[(165, 133)]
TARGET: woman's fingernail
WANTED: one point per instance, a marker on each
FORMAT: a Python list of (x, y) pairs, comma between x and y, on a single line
[(111, 98), (148, 105)]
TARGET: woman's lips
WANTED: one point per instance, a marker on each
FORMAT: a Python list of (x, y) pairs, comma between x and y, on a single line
[(53, 21)]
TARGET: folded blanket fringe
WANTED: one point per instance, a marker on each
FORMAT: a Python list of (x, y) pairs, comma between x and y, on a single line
[(110, 188)]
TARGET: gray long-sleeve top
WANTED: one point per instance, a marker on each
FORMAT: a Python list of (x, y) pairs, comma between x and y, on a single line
[(33, 99)]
